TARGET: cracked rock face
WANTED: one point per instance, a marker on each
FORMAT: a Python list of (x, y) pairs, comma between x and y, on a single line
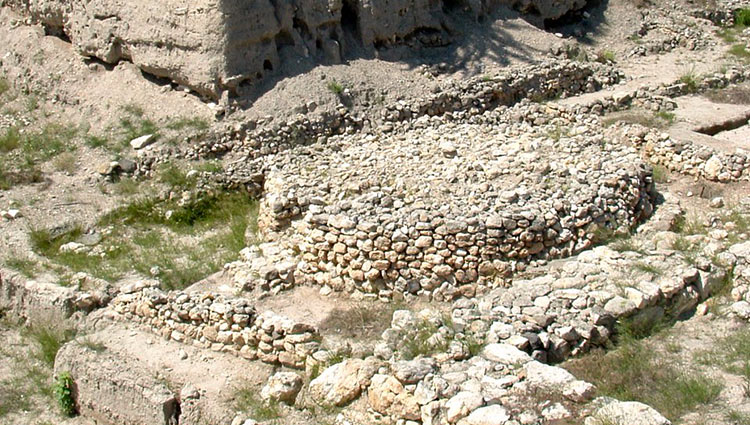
[(213, 47)]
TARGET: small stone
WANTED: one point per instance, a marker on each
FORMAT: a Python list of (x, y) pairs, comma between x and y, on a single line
[(448, 149), (142, 141), (717, 202)]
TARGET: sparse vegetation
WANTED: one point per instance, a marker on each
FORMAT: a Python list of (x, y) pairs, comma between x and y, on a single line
[(660, 173), (634, 371), (188, 123), (22, 263), (65, 162), (740, 51), (659, 120), (145, 239), (364, 320), (50, 336), (26, 149), (691, 81), (425, 341), (246, 400), (648, 268), (742, 18)]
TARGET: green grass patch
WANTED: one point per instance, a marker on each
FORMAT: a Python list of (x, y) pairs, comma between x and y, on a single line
[(22, 264), (196, 240), (195, 123), (742, 18), (660, 173), (740, 51), (25, 150), (175, 177), (605, 56), (648, 268), (49, 337), (690, 225), (4, 86), (10, 140), (633, 371), (246, 400), (421, 342), (666, 116)]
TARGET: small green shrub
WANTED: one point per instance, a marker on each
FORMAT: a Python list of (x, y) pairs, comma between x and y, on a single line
[(63, 390), (666, 116), (605, 56), (691, 81), (335, 87), (660, 173), (4, 85), (10, 140)]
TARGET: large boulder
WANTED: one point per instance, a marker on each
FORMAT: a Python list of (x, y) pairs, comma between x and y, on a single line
[(342, 382), (387, 396), (282, 386)]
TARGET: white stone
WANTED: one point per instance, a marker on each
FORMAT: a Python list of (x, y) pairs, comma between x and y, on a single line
[(489, 415), (142, 141), (461, 404), (627, 413), (505, 354)]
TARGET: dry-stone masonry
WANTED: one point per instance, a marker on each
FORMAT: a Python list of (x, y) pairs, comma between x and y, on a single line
[(211, 321)]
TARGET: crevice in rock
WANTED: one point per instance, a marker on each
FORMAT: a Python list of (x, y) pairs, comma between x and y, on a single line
[(59, 32), (350, 19)]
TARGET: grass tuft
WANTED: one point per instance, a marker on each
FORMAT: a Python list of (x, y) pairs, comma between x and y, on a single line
[(246, 400), (635, 372)]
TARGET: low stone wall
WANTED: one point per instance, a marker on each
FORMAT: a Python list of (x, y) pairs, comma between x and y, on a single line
[(212, 321), (687, 158)]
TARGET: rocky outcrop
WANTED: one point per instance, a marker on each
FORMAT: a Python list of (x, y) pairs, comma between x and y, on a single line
[(212, 46), (42, 301)]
